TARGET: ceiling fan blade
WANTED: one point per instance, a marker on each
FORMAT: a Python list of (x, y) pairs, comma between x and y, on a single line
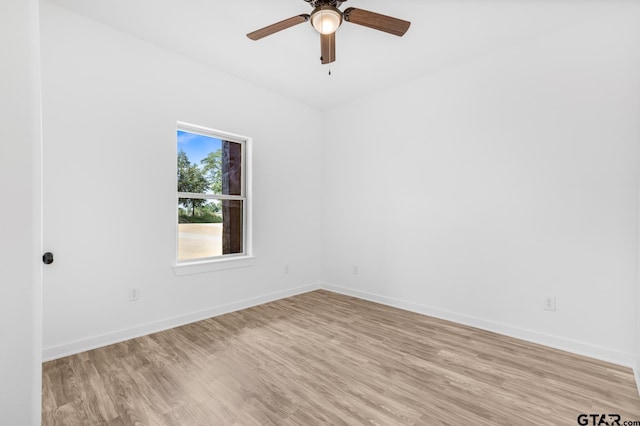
[(278, 26), (376, 21), (328, 48)]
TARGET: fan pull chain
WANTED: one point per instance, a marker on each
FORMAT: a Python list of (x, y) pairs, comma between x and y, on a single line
[(329, 70)]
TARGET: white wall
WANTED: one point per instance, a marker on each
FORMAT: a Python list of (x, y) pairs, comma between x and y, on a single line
[(20, 215), (473, 193), (469, 194), (110, 106)]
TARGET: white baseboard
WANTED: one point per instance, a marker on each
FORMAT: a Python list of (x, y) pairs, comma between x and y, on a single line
[(580, 348), (71, 348), (636, 373), (593, 351)]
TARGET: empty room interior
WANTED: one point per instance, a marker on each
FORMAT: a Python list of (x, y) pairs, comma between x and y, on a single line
[(426, 215)]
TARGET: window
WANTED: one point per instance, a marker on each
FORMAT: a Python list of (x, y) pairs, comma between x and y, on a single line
[(211, 195)]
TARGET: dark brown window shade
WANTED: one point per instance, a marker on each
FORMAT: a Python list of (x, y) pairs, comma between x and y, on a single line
[(232, 210), (232, 218), (231, 168)]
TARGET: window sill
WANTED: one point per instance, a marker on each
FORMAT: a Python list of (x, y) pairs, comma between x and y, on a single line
[(199, 267)]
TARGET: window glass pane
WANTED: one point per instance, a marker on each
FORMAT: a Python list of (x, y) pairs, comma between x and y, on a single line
[(199, 228), (208, 165), (208, 228)]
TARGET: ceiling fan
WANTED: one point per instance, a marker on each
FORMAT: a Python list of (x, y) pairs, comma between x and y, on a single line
[(326, 18)]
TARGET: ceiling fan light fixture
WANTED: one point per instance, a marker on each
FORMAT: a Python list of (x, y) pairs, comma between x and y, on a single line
[(326, 19)]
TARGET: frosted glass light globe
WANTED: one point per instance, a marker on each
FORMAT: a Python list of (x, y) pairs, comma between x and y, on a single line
[(326, 19)]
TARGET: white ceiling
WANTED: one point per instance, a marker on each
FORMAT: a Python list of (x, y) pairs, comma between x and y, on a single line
[(443, 33)]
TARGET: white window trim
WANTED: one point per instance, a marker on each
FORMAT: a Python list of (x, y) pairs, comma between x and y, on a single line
[(213, 265), (230, 261)]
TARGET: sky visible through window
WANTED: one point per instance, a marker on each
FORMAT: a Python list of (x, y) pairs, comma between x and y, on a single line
[(196, 146)]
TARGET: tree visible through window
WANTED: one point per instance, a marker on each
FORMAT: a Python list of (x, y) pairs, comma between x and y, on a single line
[(211, 194)]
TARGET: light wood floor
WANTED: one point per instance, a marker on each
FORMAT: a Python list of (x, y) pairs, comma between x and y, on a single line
[(323, 358)]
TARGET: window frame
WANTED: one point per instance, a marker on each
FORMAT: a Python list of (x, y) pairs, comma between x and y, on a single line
[(226, 261)]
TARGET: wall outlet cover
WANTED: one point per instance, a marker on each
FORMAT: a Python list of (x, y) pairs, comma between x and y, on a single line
[(134, 294), (549, 303)]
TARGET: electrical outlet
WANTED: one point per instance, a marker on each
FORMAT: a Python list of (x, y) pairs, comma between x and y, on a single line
[(286, 269), (134, 294), (355, 269), (549, 303)]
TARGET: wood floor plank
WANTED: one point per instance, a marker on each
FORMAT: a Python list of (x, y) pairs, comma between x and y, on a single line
[(324, 358)]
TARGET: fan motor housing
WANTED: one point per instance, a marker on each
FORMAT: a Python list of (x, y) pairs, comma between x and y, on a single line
[(317, 3)]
